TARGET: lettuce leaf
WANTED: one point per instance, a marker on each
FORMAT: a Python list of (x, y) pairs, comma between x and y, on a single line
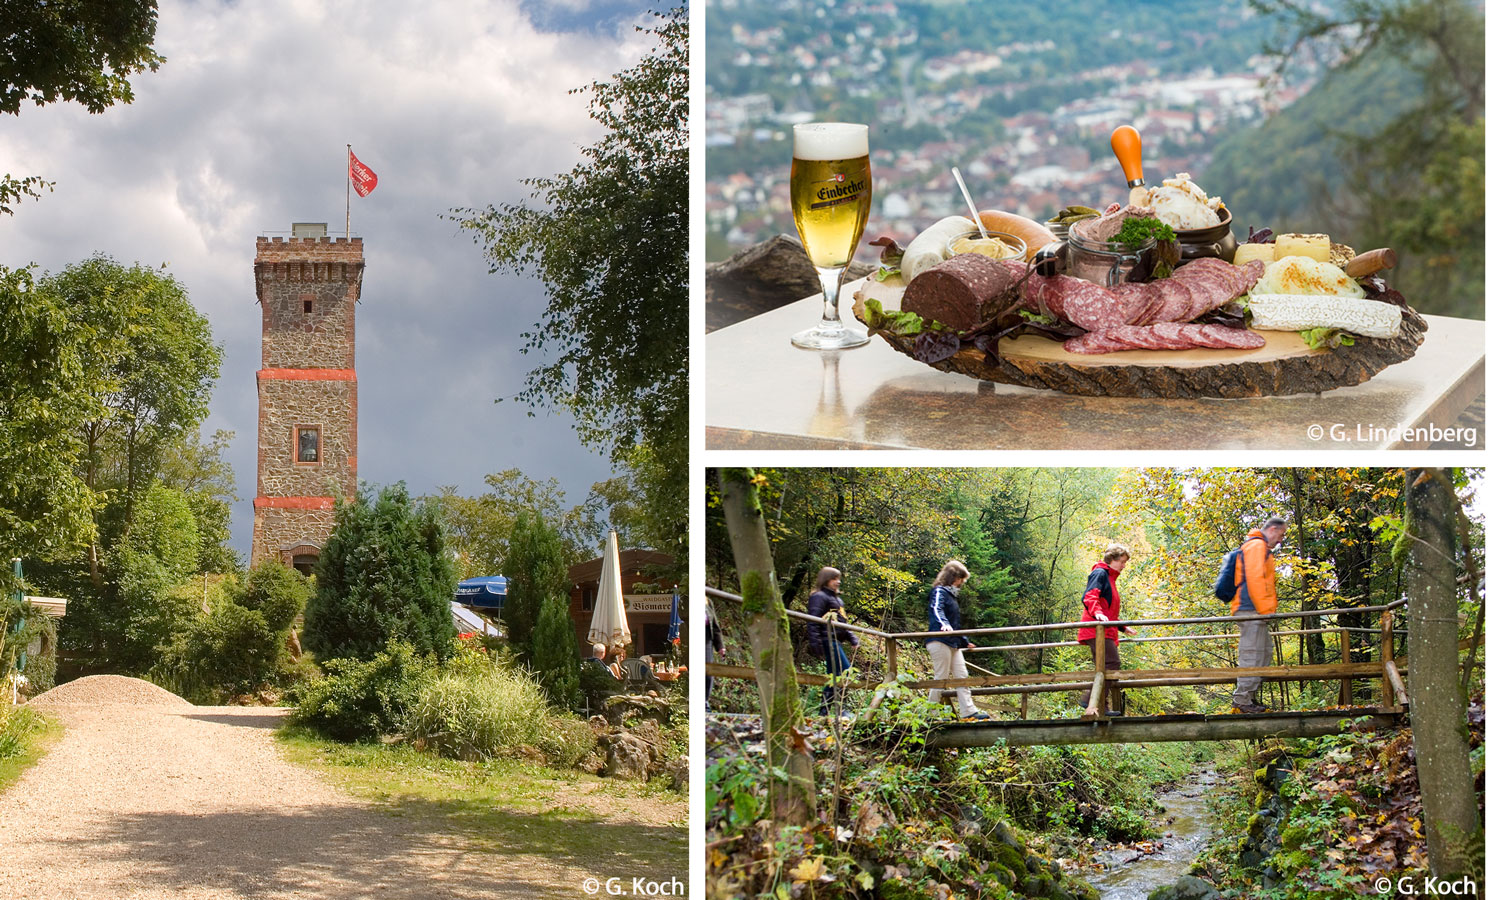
[(1318, 338)]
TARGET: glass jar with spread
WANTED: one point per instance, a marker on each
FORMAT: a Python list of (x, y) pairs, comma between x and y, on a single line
[(1105, 262), (998, 245)]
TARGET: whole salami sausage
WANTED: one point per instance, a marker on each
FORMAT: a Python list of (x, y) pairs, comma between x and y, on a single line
[(953, 291)]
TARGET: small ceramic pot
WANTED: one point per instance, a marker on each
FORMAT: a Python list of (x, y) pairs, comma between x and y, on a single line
[(1217, 241)]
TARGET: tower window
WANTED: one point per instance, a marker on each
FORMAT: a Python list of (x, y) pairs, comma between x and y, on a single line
[(309, 444), (307, 306)]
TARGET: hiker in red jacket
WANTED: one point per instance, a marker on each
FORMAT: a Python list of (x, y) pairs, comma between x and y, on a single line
[(1101, 602)]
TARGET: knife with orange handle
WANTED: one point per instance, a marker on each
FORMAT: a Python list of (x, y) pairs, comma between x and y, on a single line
[(1126, 142)]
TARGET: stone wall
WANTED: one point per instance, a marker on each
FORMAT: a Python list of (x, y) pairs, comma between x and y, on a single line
[(279, 530), (286, 403)]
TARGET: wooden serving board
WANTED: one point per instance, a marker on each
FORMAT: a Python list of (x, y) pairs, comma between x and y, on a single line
[(1283, 366)]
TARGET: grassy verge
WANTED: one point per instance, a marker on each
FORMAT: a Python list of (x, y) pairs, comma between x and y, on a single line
[(25, 737), (511, 806)]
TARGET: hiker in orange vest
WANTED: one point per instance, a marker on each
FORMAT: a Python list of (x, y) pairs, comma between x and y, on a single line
[(1255, 594)]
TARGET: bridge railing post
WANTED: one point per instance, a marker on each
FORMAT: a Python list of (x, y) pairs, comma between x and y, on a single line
[(1387, 660), (1346, 686), (892, 659), (1096, 696)]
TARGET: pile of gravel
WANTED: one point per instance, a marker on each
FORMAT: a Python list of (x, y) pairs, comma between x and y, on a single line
[(94, 690)]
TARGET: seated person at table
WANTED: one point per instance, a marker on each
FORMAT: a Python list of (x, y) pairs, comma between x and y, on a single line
[(598, 660)]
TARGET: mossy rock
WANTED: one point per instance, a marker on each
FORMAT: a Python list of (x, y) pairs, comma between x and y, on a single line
[(1082, 890), (1006, 835), (1012, 859), (1188, 887)]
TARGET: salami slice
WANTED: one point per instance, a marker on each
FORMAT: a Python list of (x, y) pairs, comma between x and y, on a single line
[(1134, 302), (1163, 336), (1088, 305)]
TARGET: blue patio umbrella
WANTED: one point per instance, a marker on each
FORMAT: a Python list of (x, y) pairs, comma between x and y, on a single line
[(484, 592), (674, 624)]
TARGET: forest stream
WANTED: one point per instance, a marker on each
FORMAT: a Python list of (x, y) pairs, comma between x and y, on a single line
[(1130, 875)]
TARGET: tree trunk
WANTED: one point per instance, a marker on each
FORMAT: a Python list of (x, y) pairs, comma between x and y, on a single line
[(792, 797), (90, 478), (1439, 711)]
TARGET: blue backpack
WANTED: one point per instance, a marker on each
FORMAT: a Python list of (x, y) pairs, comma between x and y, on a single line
[(1225, 584)]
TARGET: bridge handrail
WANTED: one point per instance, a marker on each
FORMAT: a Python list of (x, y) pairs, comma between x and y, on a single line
[(1073, 626)]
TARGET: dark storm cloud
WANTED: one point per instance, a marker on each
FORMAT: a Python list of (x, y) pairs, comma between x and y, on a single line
[(242, 132)]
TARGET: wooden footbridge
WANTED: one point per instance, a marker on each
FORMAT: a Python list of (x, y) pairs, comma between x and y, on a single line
[(1096, 727)]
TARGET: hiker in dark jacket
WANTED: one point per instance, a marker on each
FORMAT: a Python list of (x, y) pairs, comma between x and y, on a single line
[(824, 638), (947, 652), (715, 645), (1101, 603)]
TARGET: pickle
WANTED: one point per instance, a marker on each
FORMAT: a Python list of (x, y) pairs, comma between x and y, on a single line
[(1070, 214)]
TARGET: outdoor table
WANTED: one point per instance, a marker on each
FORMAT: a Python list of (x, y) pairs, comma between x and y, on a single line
[(763, 393)]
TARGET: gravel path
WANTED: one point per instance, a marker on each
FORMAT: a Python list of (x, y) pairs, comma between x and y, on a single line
[(196, 802)]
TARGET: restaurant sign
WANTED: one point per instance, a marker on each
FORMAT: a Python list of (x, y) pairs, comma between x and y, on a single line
[(648, 603)]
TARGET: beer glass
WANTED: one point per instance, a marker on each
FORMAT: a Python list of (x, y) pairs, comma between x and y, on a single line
[(830, 203)]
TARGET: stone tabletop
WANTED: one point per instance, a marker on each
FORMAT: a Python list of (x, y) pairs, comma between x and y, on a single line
[(763, 393)]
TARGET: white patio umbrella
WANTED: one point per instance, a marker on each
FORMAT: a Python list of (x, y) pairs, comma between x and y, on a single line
[(608, 626)]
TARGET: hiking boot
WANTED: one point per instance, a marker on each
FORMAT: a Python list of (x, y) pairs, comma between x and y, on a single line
[(1250, 708), (1114, 712), (977, 716)]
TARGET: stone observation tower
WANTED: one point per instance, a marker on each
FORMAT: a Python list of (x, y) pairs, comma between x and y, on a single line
[(307, 287)]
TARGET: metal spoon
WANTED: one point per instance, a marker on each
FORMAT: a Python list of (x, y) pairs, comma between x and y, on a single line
[(973, 210)]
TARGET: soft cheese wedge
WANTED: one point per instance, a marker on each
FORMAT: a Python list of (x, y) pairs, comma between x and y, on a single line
[(1299, 312)]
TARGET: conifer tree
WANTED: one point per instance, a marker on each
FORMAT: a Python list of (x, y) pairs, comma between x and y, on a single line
[(384, 573), (554, 652)]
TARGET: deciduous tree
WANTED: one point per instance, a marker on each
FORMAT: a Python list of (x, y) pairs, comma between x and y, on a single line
[(791, 793), (609, 239), (1439, 710)]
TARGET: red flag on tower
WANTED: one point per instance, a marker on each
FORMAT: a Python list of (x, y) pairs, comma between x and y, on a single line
[(359, 173)]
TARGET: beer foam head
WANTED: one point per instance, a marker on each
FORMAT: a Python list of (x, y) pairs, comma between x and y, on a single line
[(830, 140)]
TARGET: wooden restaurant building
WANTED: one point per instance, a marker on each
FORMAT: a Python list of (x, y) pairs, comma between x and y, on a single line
[(648, 600)]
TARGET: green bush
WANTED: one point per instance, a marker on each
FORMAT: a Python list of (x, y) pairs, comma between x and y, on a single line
[(239, 645), (359, 700), (479, 714), (37, 638), (229, 651), (597, 684), (279, 593), (567, 741), (158, 552), (17, 724)]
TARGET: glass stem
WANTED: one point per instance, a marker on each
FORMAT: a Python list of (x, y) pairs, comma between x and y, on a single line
[(829, 278)]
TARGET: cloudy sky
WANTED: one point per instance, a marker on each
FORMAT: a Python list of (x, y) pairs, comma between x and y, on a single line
[(242, 132)]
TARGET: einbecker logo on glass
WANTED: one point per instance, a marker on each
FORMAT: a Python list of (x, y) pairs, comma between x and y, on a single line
[(840, 193)]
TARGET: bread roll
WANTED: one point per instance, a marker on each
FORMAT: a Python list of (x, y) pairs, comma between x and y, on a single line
[(1035, 234)]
